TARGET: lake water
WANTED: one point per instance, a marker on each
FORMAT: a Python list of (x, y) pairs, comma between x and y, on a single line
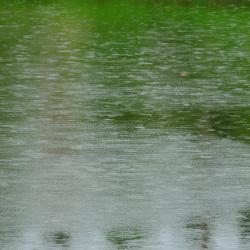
[(106, 143)]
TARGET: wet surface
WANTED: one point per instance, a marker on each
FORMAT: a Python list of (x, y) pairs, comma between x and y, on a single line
[(124, 125)]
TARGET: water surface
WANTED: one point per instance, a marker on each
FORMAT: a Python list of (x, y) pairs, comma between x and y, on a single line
[(104, 145)]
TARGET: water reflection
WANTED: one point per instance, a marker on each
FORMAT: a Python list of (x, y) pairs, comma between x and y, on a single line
[(244, 224), (59, 238), (98, 117), (200, 230), (232, 124), (126, 238)]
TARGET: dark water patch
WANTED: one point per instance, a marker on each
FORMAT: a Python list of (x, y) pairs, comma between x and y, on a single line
[(232, 124), (224, 123), (59, 238), (200, 232), (126, 238), (244, 223)]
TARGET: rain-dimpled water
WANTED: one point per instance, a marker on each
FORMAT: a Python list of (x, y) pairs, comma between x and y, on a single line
[(124, 125)]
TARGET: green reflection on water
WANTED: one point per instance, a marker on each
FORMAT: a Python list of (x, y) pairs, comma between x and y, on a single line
[(59, 238), (126, 238), (70, 67), (199, 230), (244, 223)]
